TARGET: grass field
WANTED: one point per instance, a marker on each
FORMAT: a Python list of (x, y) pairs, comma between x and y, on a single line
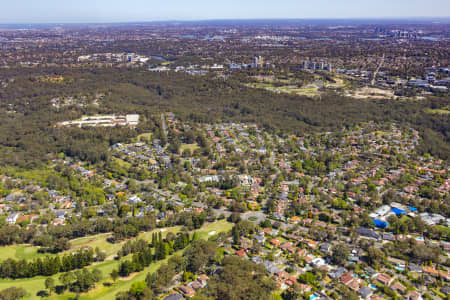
[(103, 290), (290, 87), (372, 93), (122, 163), (20, 252), (438, 111), (35, 175), (444, 229), (309, 90), (191, 147), (99, 241), (144, 136), (339, 83)]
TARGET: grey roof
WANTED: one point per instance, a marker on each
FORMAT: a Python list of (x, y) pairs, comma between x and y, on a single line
[(271, 267), (370, 271), (389, 237), (365, 292), (446, 290), (174, 297), (257, 259), (60, 213), (338, 272), (325, 247), (259, 238), (414, 268), (368, 233)]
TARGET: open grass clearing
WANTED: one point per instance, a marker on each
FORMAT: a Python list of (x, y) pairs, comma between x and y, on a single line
[(122, 163), (20, 252), (36, 175), (191, 147), (372, 93), (145, 136), (438, 111), (309, 90)]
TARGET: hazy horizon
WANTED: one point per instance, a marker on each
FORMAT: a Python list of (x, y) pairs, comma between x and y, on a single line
[(140, 11), (212, 20)]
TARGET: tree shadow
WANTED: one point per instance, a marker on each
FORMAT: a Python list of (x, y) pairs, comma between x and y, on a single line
[(60, 289), (42, 293)]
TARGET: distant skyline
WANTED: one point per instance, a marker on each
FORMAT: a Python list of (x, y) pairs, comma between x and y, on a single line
[(98, 11)]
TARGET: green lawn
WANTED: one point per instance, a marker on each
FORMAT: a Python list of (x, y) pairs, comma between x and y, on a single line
[(35, 175), (19, 252), (214, 228), (148, 235), (438, 111), (109, 292), (36, 284), (145, 136), (122, 163), (104, 292), (308, 90), (99, 240), (191, 147), (444, 229)]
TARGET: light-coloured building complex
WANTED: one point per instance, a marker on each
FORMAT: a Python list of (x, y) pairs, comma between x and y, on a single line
[(104, 121)]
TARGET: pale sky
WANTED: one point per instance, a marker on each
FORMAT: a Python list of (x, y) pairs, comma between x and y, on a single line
[(60, 11)]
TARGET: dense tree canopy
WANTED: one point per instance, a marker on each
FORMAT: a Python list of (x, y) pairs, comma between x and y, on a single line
[(240, 279), (28, 132)]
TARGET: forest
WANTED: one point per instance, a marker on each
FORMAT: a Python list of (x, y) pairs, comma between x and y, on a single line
[(28, 132)]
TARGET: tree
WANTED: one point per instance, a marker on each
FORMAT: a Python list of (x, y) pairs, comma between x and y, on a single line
[(12, 293), (198, 254), (85, 280), (235, 217), (122, 296), (96, 275), (132, 186), (424, 253), (201, 297), (340, 253), (347, 293), (419, 224), (161, 278), (236, 236), (137, 288), (292, 293), (240, 279), (162, 250), (99, 254), (114, 275), (181, 241), (244, 227), (66, 279), (138, 291), (50, 284), (375, 256), (126, 268), (307, 278), (266, 224)]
